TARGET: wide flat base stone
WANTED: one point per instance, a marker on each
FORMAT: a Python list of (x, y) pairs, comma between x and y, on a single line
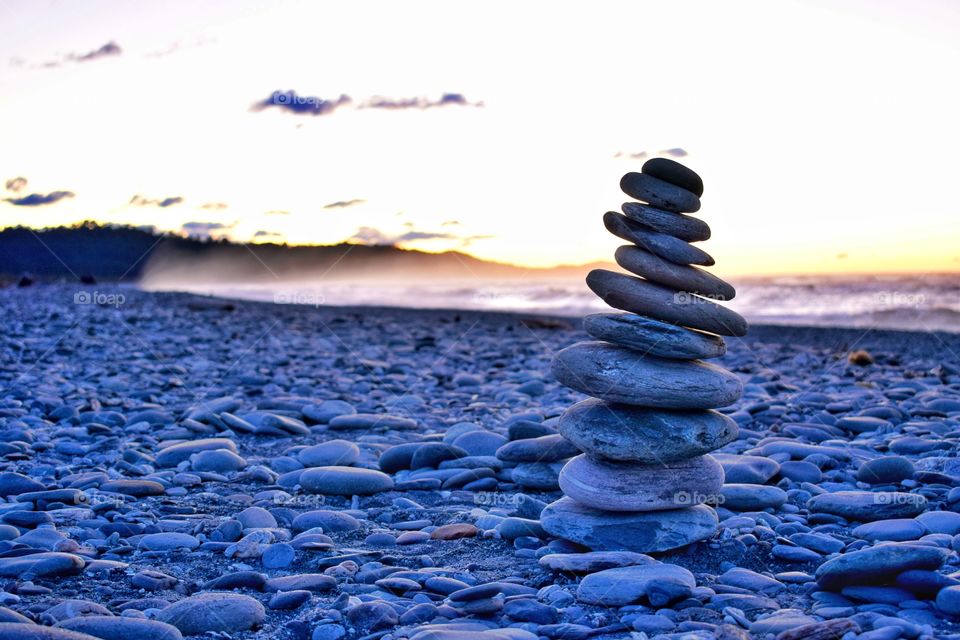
[(650, 532)]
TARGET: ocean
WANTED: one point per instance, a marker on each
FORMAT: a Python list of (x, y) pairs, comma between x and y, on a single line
[(912, 302)]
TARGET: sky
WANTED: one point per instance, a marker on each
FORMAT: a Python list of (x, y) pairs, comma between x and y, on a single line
[(826, 133)]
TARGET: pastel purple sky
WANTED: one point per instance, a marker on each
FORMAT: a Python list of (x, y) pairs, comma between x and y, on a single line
[(825, 132)]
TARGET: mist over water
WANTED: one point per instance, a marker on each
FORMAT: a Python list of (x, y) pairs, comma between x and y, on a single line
[(912, 302)]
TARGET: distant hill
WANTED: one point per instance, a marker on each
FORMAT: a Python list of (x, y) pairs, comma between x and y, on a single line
[(110, 252)]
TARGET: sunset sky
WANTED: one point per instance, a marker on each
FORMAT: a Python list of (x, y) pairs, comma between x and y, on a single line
[(826, 132)]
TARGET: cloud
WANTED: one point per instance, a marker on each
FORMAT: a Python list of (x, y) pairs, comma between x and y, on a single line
[(107, 50), (447, 99), (276, 212), (372, 236), (214, 206), (315, 106), (675, 152), (16, 184), (470, 239), (38, 199), (369, 235), (424, 235), (199, 229), (263, 233), (302, 105), (142, 201), (451, 223), (342, 204)]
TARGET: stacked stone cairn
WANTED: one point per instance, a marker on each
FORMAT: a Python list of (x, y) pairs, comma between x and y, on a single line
[(645, 475)]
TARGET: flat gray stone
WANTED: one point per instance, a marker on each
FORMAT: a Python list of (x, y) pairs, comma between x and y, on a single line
[(739, 469), (658, 193), (174, 454), (639, 434), (629, 486), (643, 532), (628, 585), (752, 497), (669, 274), (41, 565), (675, 173), (121, 628), (654, 337), (876, 565), (345, 481), (673, 224), (593, 561), (552, 448), (896, 530), (620, 375), (660, 244), (866, 506), (330, 453), (205, 612), (21, 631), (662, 303)]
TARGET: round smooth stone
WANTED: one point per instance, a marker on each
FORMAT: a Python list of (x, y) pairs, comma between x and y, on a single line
[(345, 481), (653, 337), (550, 448), (22, 631), (662, 303), (636, 434), (747, 469), (751, 497), (175, 454), (619, 486), (12, 484), (885, 470), (866, 506), (660, 244), (877, 565), (948, 601), (168, 541), (332, 452), (896, 530), (627, 585), (135, 488), (593, 561), (619, 375), (940, 522), (642, 532), (675, 173), (673, 224), (801, 471), (41, 565), (646, 188), (121, 628), (669, 274), (226, 612)]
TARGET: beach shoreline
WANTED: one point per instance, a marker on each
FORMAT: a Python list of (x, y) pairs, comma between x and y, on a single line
[(97, 389)]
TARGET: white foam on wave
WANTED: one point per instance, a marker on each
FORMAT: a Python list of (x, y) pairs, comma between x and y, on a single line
[(914, 302)]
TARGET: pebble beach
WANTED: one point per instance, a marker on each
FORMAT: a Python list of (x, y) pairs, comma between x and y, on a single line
[(177, 466)]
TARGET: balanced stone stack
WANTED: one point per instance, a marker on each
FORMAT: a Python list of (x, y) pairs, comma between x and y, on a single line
[(644, 475)]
